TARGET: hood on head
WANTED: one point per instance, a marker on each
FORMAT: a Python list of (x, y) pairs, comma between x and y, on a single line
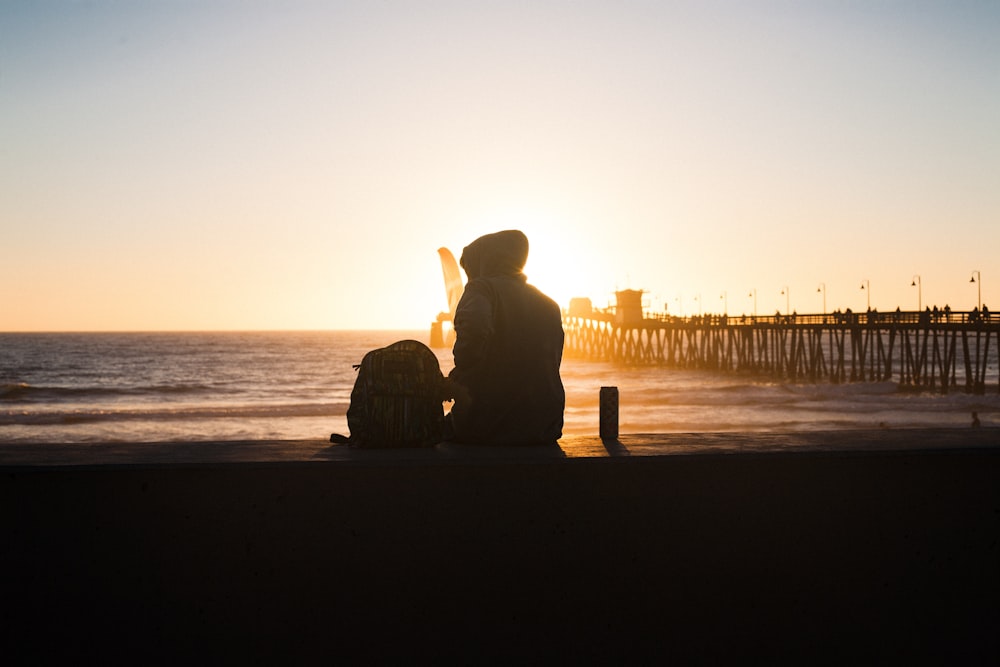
[(501, 253)]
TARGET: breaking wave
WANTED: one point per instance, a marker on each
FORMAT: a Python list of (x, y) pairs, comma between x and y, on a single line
[(22, 391), (161, 413)]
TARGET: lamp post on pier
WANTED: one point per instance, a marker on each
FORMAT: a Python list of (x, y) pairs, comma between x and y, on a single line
[(868, 292), (753, 293), (822, 288), (978, 279), (787, 292), (725, 299), (920, 299), (698, 299)]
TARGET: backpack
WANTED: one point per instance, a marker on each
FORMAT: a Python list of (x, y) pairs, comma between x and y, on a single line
[(397, 399)]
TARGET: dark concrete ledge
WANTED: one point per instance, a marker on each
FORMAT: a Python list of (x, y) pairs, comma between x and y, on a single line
[(576, 446), (848, 554)]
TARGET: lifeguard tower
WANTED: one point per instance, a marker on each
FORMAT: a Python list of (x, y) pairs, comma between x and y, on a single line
[(628, 308)]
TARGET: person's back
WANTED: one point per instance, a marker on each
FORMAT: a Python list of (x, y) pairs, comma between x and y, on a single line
[(508, 350)]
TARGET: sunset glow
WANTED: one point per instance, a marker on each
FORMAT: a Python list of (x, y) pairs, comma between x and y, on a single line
[(223, 165)]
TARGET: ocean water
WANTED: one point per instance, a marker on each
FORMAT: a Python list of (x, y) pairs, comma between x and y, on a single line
[(148, 387)]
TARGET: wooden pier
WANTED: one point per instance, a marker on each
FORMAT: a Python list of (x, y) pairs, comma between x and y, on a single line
[(921, 350)]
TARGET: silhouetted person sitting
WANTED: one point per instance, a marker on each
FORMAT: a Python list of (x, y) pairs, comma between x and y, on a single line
[(508, 349)]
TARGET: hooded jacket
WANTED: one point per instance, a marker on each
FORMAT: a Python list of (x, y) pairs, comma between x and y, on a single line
[(508, 349)]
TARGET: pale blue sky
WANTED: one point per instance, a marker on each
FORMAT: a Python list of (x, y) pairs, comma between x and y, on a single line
[(207, 165)]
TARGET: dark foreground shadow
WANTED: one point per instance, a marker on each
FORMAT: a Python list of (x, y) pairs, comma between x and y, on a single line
[(825, 558), (615, 447)]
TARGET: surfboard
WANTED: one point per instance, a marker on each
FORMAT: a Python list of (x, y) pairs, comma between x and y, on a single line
[(453, 288), (452, 281)]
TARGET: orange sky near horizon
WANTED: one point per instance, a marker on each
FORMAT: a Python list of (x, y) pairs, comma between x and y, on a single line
[(223, 165)]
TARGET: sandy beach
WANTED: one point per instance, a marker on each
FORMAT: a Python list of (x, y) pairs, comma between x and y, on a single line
[(860, 546)]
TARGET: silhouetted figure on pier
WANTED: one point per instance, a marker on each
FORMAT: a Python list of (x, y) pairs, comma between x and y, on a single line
[(508, 349), (975, 419)]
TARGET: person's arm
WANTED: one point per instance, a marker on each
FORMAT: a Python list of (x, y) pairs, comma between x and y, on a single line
[(473, 328)]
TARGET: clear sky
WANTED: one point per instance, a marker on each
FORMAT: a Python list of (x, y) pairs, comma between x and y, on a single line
[(202, 165)]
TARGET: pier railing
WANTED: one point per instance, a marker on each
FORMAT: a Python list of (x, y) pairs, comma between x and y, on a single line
[(924, 350)]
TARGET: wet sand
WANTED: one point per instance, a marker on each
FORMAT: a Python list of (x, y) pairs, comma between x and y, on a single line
[(864, 546)]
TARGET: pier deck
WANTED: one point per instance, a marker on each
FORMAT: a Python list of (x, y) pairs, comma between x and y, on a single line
[(922, 350)]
